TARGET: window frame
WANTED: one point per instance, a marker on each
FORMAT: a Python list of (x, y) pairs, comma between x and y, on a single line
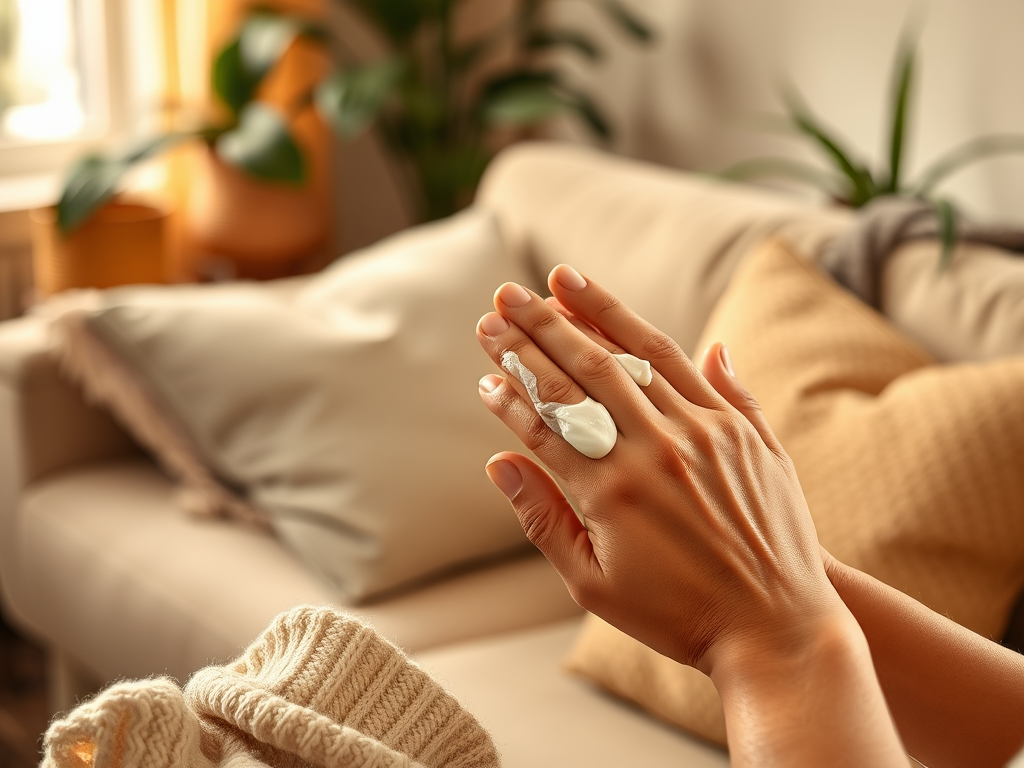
[(109, 75)]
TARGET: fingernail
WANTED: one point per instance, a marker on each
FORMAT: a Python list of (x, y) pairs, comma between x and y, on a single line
[(490, 382), (506, 476), (493, 324), (726, 360), (513, 295), (569, 278)]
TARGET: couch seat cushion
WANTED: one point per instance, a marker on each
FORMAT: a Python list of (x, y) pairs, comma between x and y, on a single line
[(109, 567), (539, 717)]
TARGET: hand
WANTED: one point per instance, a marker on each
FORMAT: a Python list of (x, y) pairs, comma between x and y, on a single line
[(698, 540)]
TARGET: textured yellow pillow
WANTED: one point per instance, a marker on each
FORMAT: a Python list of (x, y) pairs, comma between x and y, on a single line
[(912, 470)]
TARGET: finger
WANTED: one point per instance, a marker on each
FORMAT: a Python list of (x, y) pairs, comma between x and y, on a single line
[(598, 308), (519, 415), (547, 518), (718, 370), (659, 391), (587, 363), (497, 336)]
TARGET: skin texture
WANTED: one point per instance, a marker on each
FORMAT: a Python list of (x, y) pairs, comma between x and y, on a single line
[(698, 540), (957, 697)]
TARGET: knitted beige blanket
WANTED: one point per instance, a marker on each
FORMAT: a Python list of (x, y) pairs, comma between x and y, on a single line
[(319, 688)]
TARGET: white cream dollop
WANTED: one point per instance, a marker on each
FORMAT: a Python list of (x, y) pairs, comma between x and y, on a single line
[(586, 426), (639, 370)]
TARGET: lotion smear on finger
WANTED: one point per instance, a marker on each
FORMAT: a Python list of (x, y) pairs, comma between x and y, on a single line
[(586, 426), (639, 370)]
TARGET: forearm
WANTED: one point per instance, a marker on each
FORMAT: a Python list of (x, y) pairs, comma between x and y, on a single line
[(817, 704), (957, 698)]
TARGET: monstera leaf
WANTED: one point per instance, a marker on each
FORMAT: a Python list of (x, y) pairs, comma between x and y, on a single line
[(262, 146), (243, 63)]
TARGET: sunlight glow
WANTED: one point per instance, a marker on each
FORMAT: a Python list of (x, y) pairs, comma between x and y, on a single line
[(44, 99)]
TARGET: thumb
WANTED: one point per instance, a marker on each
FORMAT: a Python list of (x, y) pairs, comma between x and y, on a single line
[(718, 370), (546, 516)]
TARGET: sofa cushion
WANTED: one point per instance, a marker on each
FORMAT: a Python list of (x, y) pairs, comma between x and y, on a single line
[(667, 243), (346, 411), (911, 469), (663, 241), (104, 564), (539, 717)]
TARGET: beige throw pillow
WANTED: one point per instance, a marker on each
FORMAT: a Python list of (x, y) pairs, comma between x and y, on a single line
[(912, 470), (344, 412)]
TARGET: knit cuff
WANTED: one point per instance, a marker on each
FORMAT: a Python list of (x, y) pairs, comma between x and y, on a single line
[(321, 685)]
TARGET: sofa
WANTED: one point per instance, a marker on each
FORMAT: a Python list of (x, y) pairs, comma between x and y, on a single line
[(98, 563)]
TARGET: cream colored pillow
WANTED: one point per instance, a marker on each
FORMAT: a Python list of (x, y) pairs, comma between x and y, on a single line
[(345, 412), (666, 242), (912, 470)]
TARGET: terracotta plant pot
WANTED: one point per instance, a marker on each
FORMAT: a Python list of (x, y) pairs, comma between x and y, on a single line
[(122, 243), (249, 228)]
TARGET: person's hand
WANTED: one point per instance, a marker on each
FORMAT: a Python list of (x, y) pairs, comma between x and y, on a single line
[(698, 541)]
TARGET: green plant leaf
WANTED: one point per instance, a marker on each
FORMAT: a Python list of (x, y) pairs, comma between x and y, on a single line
[(969, 152), (528, 97), (95, 179), (147, 148), (781, 167), (352, 99), (245, 60), (588, 111), (262, 146), (946, 214), (92, 182), (862, 186), (397, 19), (901, 96), (522, 104), (263, 39), (233, 83), (627, 20), (544, 40)]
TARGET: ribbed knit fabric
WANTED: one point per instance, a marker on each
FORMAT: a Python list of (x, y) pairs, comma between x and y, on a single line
[(318, 688)]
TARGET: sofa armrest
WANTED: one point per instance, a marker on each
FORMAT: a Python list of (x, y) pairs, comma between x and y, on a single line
[(45, 423)]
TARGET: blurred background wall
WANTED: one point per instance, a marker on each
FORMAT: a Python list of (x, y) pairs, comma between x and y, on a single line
[(695, 99)]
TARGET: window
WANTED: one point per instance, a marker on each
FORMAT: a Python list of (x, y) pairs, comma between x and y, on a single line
[(46, 91), (75, 75)]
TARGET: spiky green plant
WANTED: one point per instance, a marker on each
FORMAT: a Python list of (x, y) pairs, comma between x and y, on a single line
[(427, 96), (850, 181)]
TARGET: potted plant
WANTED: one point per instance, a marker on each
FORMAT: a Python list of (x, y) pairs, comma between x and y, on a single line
[(436, 101), (848, 180)]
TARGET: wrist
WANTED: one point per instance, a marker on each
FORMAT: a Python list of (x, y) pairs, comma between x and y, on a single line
[(770, 657), (807, 698)]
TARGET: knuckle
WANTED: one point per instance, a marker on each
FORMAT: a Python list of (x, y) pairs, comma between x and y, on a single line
[(597, 364), (555, 387), (519, 346), (746, 401), (607, 304), (545, 322), (536, 524), (674, 457), (658, 346), (536, 434)]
